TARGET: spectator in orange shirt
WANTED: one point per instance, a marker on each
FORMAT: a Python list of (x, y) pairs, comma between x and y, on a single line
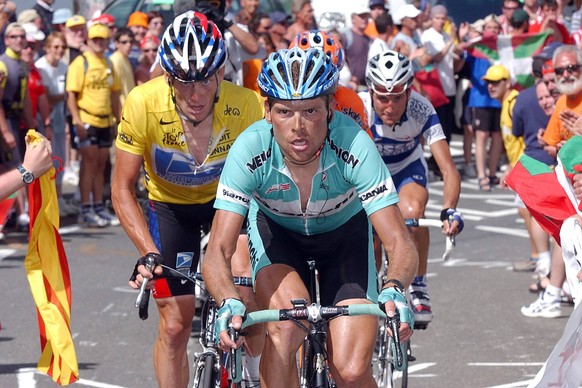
[(568, 70), (377, 8)]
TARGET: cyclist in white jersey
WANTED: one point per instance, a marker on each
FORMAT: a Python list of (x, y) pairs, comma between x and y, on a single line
[(309, 178), (401, 121)]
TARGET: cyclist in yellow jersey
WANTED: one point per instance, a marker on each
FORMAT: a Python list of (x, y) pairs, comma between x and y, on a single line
[(180, 127)]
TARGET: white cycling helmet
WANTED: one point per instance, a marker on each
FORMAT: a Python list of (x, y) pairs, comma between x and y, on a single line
[(389, 73)]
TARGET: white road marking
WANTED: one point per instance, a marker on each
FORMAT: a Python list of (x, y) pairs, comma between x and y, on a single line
[(524, 383), (500, 230), (69, 229), (469, 263), (125, 289), (26, 379), (505, 363), (6, 252)]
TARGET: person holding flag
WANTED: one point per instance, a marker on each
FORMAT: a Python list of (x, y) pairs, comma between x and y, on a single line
[(37, 161)]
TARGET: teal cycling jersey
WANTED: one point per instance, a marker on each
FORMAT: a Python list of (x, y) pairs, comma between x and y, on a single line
[(351, 176)]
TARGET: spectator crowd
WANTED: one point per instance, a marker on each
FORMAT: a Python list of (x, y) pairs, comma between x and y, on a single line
[(68, 77)]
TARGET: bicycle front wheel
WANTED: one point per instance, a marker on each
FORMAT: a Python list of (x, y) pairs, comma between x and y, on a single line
[(385, 374), (205, 375)]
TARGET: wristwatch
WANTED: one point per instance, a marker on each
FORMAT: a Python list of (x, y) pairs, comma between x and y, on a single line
[(27, 176)]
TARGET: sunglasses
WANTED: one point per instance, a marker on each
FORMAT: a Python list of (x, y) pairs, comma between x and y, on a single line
[(396, 90), (16, 36), (571, 69), (124, 41), (149, 50)]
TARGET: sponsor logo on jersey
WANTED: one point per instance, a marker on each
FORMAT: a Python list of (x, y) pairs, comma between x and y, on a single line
[(174, 138), (180, 169), (237, 197), (279, 186), (374, 192), (231, 111), (258, 160), (344, 155), (164, 122), (184, 260), (125, 138)]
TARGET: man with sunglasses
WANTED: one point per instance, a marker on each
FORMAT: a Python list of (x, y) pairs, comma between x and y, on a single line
[(120, 60), (179, 127), (401, 121), (567, 61), (15, 107)]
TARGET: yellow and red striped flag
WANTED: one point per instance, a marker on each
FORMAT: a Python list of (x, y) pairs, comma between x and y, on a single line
[(48, 274)]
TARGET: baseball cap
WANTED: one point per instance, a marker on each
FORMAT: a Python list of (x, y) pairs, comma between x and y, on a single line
[(438, 9), (104, 18), (33, 34), (519, 16), (360, 7), (496, 73), (548, 67), (138, 19), (61, 15), (405, 11), (98, 30), (76, 20), (149, 39), (548, 51), (376, 3), (279, 17)]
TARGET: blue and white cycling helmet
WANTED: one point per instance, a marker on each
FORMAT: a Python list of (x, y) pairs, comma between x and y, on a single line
[(296, 74), (192, 48), (389, 73)]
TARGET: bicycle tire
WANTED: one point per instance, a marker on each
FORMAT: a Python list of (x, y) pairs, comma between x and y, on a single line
[(205, 375), (399, 379), (381, 369)]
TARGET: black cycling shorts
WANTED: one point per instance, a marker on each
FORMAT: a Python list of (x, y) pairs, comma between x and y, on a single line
[(176, 232), (344, 256), (101, 137), (487, 119)]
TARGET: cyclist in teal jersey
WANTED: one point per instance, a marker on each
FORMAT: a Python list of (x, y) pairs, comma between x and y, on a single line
[(310, 181)]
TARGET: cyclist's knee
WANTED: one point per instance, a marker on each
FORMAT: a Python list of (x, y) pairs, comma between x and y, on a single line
[(285, 335), (351, 374), (175, 332)]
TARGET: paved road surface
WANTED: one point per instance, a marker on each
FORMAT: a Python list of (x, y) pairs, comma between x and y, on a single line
[(478, 337)]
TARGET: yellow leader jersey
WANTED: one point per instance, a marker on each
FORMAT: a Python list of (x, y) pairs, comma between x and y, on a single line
[(93, 81), (150, 127)]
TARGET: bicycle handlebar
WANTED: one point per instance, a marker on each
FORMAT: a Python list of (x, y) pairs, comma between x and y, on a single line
[(426, 223), (143, 296), (311, 313)]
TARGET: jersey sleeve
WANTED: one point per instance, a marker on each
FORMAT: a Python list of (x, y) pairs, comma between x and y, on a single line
[(365, 169), (238, 179), (422, 112), (133, 118), (75, 75)]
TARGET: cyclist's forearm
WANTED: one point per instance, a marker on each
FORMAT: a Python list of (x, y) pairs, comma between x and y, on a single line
[(217, 274), (133, 221), (452, 188), (403, 261)]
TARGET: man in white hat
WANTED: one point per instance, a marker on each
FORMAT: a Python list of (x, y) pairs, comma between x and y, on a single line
[(407, 41)]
